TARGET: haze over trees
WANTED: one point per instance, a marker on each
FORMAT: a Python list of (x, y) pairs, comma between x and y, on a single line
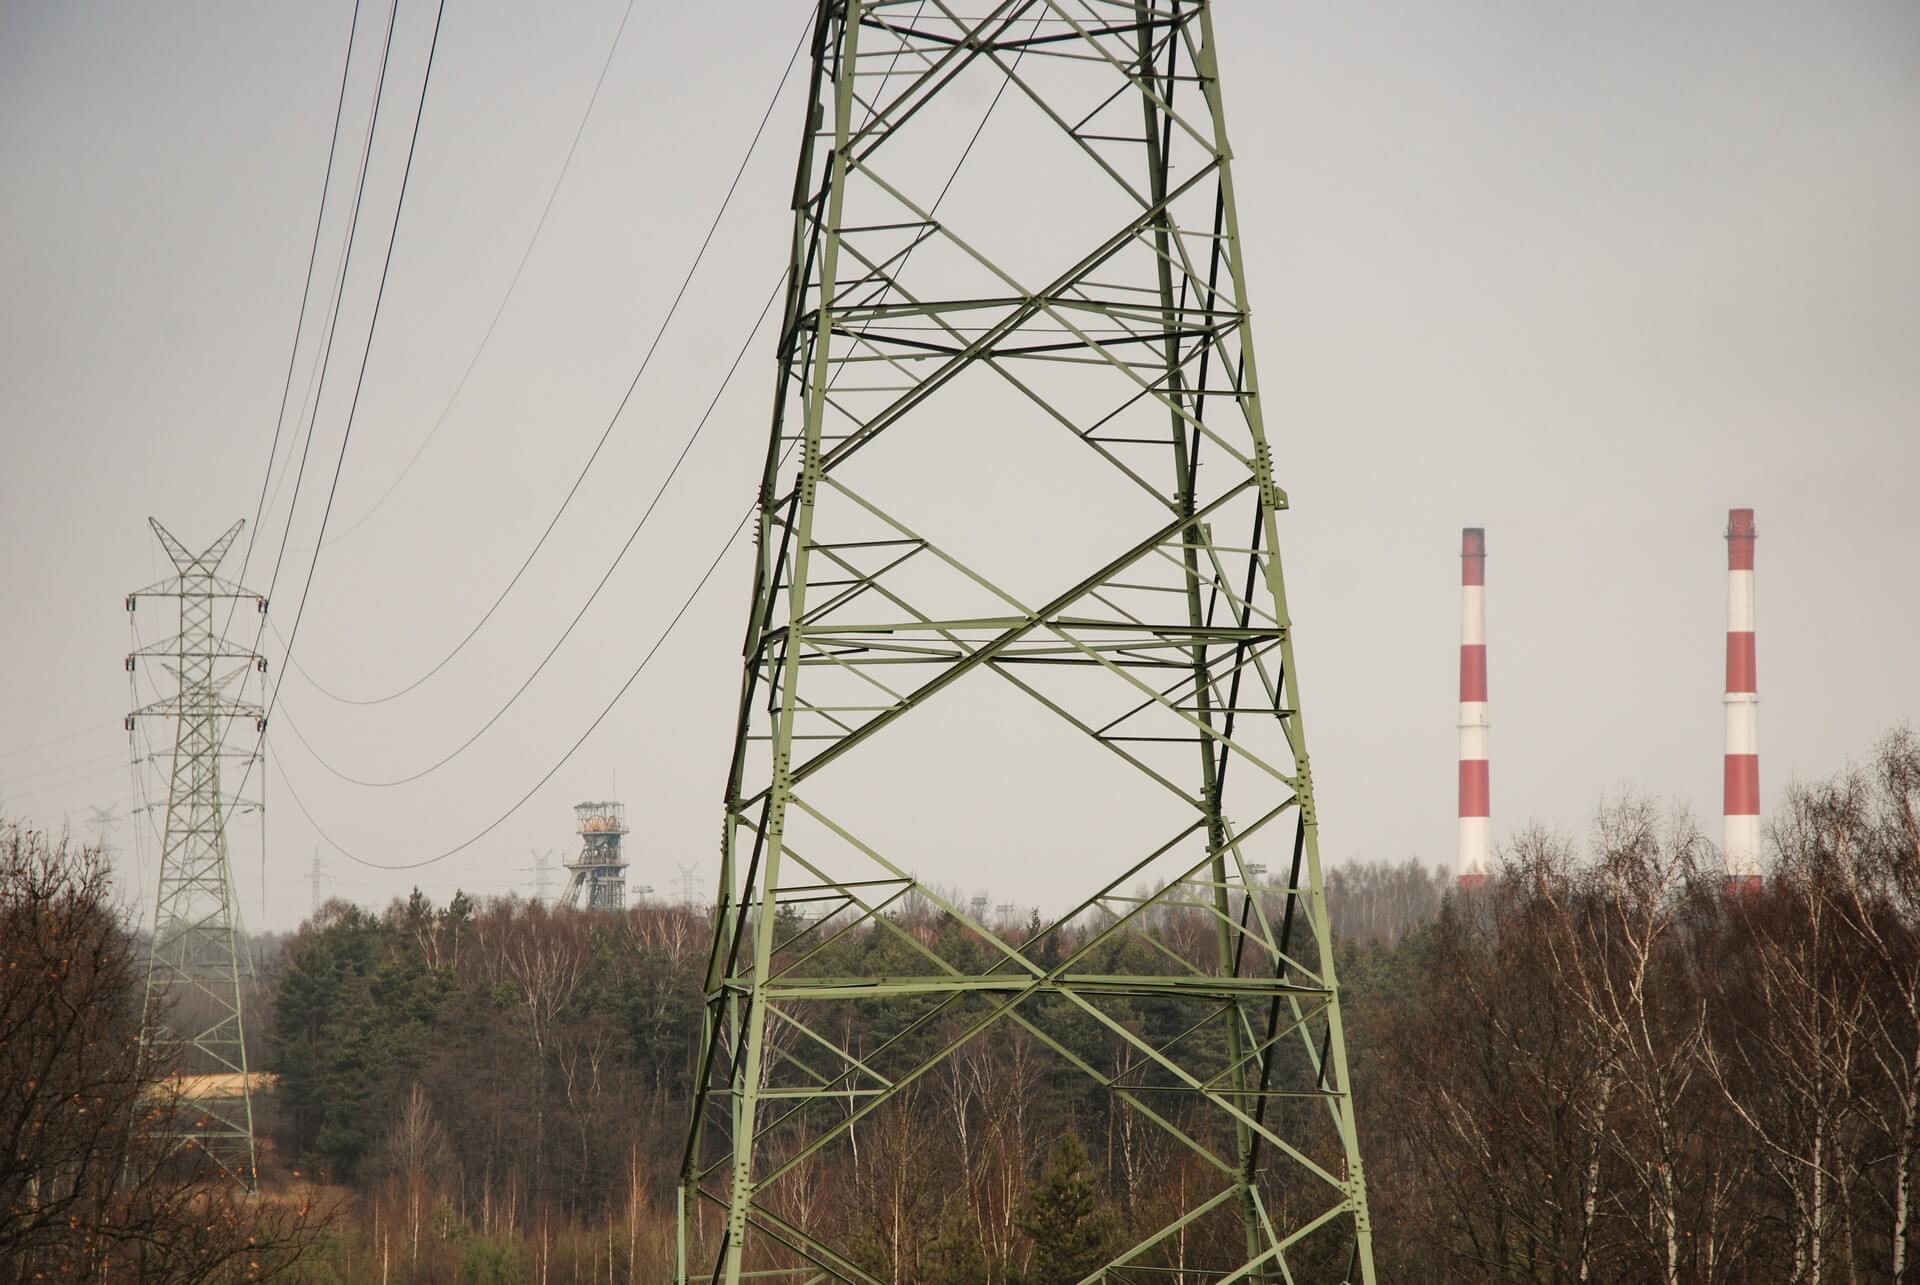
[(1602, 1067), (91, 1185)]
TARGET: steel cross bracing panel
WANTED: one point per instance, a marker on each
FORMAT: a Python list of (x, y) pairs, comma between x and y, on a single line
[(1019, 468), (193, 1012)]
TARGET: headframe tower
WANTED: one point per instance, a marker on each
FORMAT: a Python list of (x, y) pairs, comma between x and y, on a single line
[(1019, 468), (194, 965), (597, 875)]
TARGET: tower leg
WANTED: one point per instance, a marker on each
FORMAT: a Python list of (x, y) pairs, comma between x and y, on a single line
[(910, 351)]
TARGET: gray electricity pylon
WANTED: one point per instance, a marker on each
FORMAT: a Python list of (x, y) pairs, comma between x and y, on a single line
[(103, 823), (317, 882), (1027, 552), (689, 883), (542, 869), (193, 1012)]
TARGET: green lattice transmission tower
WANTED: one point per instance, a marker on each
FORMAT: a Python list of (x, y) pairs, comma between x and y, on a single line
[(1018, 612), (193, 1011)]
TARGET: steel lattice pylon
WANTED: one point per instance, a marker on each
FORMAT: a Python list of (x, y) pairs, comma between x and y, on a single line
[(193, 1009), (1032, 465)]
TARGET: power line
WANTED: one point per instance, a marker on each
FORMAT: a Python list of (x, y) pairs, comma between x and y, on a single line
[(373, 324), (40, 695), (64, 707), (313, 373), (41, 745), (325, 358), (560, 763), (487, 338), (306, 294), (632, 535), (634, 383), (666, 633), (56, 785), (326, 352), (61, 767)]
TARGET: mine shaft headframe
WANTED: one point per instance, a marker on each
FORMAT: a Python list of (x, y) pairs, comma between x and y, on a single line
[(1084, 295)]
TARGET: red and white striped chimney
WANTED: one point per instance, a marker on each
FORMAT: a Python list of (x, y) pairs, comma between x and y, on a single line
[(1475, 825), (1742, 846)]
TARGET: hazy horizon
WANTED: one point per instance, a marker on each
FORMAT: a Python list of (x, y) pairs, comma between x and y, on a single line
[(1584, 279)]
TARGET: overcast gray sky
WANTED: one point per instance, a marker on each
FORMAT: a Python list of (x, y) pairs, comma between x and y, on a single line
[(1586, 278)]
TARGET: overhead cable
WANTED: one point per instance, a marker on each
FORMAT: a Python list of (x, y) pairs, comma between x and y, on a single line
[(638, 669), (326, 352), (306, 294), (632, 535), (521, 802), (512, 285), (612, 420), (373, 324)]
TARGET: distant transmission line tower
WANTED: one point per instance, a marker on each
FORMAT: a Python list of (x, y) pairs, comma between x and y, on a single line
[(192, 1009), (1034, 515), (103, 823), (317, 881), (542, 869)]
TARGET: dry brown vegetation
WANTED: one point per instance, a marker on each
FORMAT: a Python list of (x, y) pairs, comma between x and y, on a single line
[(93, 1185)]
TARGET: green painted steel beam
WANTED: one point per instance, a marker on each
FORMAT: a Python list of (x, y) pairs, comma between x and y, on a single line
[(1130, 339)]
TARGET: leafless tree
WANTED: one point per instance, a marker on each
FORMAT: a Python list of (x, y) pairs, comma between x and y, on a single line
[(417, 1152), (93, 1184)]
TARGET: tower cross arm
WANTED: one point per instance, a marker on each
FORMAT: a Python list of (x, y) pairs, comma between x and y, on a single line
[(188, 705), (167, 648), (198, 585)]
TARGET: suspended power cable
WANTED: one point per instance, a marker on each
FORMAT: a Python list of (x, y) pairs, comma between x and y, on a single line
[(632, 535), (326, 352), (685, 605), (700, 255), (40, 695), (41, 745), (306, 295), (366, 351), (93, 761), (118, 767), (353, 406), (310, 408), (521, 802), (335, 298), (605, 576), (487, 338), (62, 709)]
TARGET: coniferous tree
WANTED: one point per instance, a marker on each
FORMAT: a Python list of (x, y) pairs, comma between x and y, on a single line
[(1072, 1228)]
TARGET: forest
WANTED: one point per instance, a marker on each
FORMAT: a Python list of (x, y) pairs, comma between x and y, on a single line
[(1605, 1065)]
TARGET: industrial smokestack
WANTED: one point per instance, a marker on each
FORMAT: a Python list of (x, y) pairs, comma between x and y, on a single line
[(1475, 825), (1742, 846)]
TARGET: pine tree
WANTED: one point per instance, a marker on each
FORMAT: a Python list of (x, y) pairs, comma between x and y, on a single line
[(956, 1256), (1073, 1231)]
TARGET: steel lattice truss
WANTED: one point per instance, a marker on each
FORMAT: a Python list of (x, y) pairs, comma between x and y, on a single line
[(192, 1010), (1032, 471)]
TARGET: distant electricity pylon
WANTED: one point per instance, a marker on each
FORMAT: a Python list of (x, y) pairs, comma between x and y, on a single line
[(103, 823), (317, 879), (689, 883), (192, 1009), (1033, 468), (542, 869)]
